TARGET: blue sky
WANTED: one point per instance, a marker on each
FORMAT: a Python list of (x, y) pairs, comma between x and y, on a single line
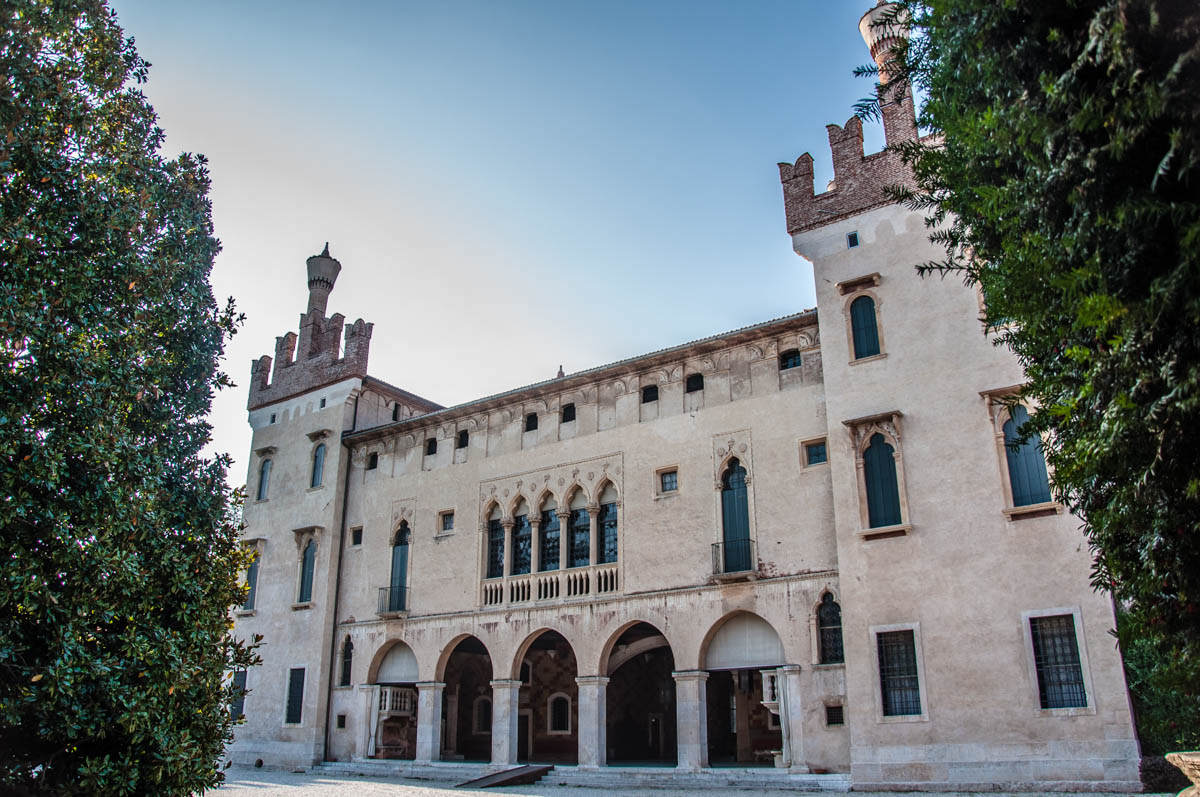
[(509, 186)]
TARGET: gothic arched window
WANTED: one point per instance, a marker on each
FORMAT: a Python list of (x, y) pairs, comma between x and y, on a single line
[(883, 492), (308, 563), (264, 479), (548, 533), (318, 466), (829, 630), (398, 583), (606, 527), (495, 545)]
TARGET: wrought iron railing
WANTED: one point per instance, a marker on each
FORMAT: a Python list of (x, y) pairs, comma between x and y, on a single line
[(393, 599), (733, 556)]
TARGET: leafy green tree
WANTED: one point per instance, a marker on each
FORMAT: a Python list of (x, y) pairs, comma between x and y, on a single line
[(1063, 178), (118, 538)]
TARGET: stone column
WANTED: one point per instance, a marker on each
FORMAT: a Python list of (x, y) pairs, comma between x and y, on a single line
[(506, 697), (564, 540), (691, 718), (429, 721), (593, 719), (593, 528), (535, 545), (508, 548), (791, 717)]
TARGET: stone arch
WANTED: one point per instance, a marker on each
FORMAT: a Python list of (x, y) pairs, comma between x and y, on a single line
[(523, 649), (382, 653), (573, 490), (605, 660), (450, 647), (553, 671), (758, 645), (539, 503), (640, 711), (488, 507), (605, 482)]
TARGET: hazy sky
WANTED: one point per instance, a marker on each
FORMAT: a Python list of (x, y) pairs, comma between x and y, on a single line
[(509, 186)]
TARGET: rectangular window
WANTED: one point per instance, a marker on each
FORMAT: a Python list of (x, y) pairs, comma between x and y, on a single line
[(238, 709), (1056, 656), (447, 521), (322, 403), (356, 536), (341, 722), (814, 453), (372, 461), (669, 481), (835, 715), (431, 446), (899, 687), (531, 422), (568, 413), (851, 240), (649, 394), (272, 417), (295, 696), (251, 582)]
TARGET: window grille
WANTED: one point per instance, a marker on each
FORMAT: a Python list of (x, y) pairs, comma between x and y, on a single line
[(789, 359), (1056, 655), (238, 709), (1026, 463), (695, 382), (295, 696), (863, 327), (649, 393), (829, 625), (522, 535), (568, 413), (495, 558), (835, 715), (898, 683), (548, 548), (815, 453)]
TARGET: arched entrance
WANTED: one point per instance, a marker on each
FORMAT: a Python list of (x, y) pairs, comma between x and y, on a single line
[(467, 702), (548, 713), (640, 710), (741, 730), (393, 715)]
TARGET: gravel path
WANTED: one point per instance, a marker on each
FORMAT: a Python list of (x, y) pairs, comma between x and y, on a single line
[(265, 783)]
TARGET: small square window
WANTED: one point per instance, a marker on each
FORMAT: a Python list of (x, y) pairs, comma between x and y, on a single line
[(789, 359), (341, 721), (835, 715), (669, 480), (431, 447), (814, 453), (851, 240), (322, 403), (694, 383), (356, 536), (372, 461), (649, 394), (272, 417), (531, 422), (568, 413), (447, 521), (464, 439)]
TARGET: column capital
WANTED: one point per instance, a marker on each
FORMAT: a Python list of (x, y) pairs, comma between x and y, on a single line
[(592, 680), (507, 683), (690, 675), (790, 668), (427, 685), (563, 515), (508, 524), (593, 509)]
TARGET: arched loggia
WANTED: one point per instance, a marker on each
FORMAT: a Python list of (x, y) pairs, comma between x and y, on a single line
[(640, 711), (548, 717), (741, 731), (467, 701)]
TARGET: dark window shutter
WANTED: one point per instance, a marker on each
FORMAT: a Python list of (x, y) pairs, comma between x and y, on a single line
[(883, 493), (735, 518), (1026, 464), (295, 696), (318, 467), (239, 694), (306, 571), (862, 323)]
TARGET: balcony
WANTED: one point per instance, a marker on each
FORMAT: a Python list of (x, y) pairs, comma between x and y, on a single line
[(575, 582), (734, 560), (393, 602)]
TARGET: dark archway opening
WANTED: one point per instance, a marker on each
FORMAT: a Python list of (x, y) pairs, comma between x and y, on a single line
[(641, 699), (467, 703), (548, 718), (741, 731)]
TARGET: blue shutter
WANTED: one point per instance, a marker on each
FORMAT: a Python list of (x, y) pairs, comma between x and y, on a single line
[(306, 571), (318, 467), (735, 518), (862, 323), (1026, 465), (883, 493), (399, 576)]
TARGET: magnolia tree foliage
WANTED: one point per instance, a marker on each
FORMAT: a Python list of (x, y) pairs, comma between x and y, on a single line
[(118, 539), (1063, 178)]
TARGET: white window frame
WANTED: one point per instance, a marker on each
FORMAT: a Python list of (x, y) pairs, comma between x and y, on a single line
[(550, 717), (1031, 663), (922, 684)]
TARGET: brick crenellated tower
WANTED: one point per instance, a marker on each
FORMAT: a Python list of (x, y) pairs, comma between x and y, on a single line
[(319, 360)]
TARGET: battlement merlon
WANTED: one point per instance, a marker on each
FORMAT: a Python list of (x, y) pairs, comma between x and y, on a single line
[(315, 357)]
